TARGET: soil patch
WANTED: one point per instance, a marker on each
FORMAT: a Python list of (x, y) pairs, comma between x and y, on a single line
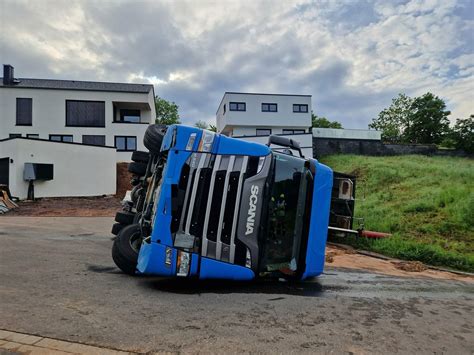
[(103, 206), (123, 179), (347, 258)]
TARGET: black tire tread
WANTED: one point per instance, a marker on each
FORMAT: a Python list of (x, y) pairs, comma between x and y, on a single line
[(140, 156), (117, 227), (124, 217), (154, 137), (122, 254), (138, 169)]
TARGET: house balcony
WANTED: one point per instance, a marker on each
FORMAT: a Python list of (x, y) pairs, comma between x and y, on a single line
[(132, 113)]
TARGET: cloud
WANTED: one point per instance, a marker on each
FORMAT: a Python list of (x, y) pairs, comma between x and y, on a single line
[(353, 57)]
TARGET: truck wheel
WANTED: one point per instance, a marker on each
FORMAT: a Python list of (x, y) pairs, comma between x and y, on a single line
[(137, 217), (135, 193), (140, 156), (124, 217), (137, 168), (117, 227), (154, 137), (126, 247)]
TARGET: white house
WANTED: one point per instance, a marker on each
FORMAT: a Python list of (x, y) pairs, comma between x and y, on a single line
[(255, 117), (69, 134), (86, 112)]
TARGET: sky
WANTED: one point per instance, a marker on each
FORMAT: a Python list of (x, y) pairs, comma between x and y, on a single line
[(353, 57)]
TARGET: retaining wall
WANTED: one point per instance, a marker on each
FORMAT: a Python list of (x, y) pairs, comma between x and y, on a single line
[(329, 146)]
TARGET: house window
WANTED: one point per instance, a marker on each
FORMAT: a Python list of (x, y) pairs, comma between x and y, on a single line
[(93, 140), (15, 135), (237, 106), (300, 108), (224, 109), (60, 138), (85, 113), (34, 136), (269, 107), (263, 131), (125, 143), (129, 116), (293, 131), (24, 111)]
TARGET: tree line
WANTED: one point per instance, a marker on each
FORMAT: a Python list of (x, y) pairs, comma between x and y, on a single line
[(423, 120)]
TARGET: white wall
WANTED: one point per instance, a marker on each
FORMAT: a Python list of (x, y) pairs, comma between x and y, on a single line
[(305, 141), (79, 170), (347, 133), (254, 117), (49, 114), (252, 131)]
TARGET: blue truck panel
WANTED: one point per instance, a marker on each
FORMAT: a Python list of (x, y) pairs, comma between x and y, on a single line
[(229, 146), (152, 260), (213, 269), (315, 254)]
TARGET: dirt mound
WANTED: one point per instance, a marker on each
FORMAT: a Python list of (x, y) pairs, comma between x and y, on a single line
[(123, 179), (350, 259), (410, 266)]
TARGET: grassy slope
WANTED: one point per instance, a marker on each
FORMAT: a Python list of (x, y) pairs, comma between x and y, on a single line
[(426, 202)]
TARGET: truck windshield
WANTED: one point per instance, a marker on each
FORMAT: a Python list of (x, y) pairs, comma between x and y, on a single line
[(286, 211)]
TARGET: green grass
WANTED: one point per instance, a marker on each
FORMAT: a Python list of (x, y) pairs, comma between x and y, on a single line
[(427, 203)]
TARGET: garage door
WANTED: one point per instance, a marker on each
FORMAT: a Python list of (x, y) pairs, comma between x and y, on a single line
[(4, 171)]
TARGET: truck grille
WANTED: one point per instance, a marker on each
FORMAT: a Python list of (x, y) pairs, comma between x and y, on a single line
[(212, 186)]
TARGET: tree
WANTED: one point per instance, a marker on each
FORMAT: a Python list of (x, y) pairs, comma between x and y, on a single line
[(201, 124), (204, 125), (393, 120), (463, 134), (323, 122), (166, 112), (428, 121)]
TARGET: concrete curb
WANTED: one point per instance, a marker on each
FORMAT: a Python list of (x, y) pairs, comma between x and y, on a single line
[(23, 343)]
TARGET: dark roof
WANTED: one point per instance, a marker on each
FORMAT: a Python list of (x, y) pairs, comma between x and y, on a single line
[(258, 93), (26, 83), (49, 141)]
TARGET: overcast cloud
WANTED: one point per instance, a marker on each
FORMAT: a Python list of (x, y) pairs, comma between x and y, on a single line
[(351, 56)]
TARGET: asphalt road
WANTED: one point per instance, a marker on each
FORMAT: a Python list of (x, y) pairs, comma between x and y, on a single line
[(57, 279)]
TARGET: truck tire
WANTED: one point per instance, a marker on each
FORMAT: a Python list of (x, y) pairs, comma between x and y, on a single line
[(154, 137), (135, 193), (124, 217), (126, 247), (140, 156), (117, 227), (138, 216), (137, 168)]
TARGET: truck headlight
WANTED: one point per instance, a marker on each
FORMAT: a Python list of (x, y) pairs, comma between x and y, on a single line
[(184, 260), (205, 145)]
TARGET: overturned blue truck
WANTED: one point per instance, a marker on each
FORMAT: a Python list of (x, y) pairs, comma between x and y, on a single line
[(207, 206)]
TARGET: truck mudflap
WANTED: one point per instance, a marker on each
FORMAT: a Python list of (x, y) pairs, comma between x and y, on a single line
[(318, 230)]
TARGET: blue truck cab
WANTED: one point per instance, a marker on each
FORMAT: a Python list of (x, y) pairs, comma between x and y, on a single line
[(224, 208)]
